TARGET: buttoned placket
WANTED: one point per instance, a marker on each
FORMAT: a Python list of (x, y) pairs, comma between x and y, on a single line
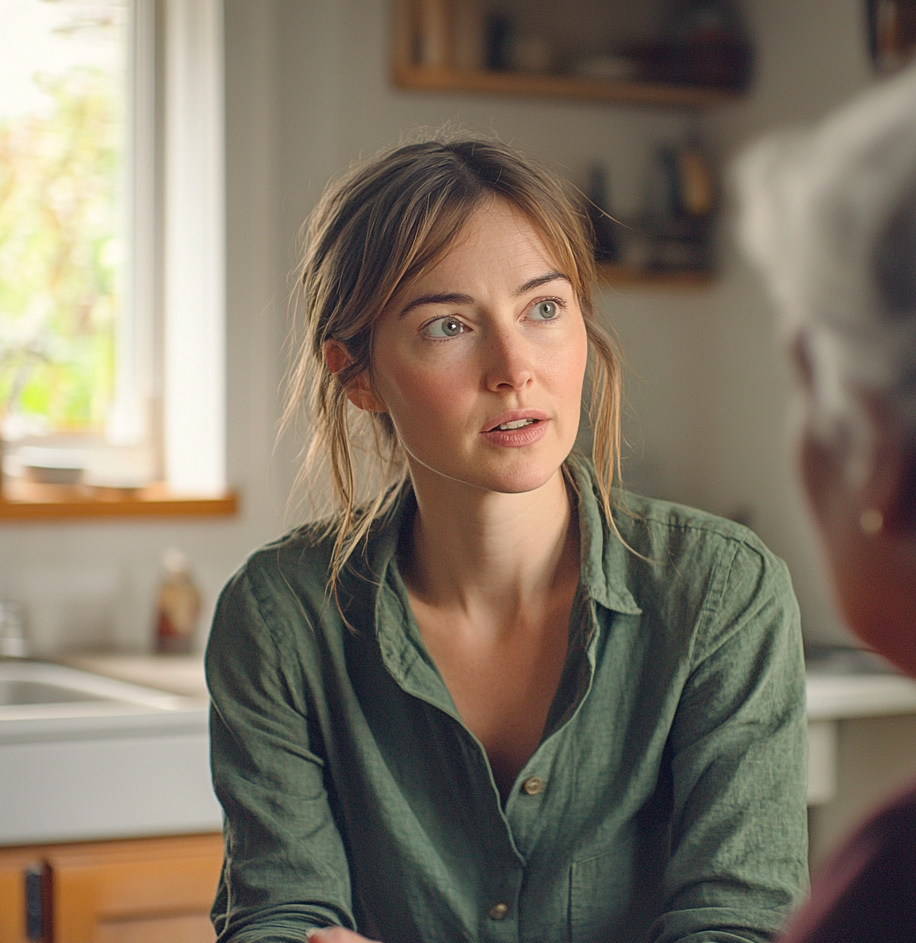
[(523, 814)]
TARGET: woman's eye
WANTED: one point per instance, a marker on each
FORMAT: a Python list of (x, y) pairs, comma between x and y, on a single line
[(545, 311), (443, 327)]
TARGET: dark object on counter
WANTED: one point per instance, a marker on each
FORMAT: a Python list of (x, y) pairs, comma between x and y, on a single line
[(177, 605), (607, 247)]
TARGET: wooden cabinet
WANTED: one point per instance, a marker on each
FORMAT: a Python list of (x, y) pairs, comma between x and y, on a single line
[(14, 866), (134, 891)]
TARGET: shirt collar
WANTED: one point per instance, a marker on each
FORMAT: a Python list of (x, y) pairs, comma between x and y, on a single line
[(605, 561), (604, 564)]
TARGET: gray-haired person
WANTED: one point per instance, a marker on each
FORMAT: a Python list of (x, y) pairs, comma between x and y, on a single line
[(830, 217)]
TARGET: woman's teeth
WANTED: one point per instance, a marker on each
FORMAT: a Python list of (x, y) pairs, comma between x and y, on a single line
[(515, 424)]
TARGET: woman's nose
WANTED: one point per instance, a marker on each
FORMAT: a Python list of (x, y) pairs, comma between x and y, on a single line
[(508, 363)]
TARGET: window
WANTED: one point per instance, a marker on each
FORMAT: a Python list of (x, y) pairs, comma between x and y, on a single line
[(111, 242)]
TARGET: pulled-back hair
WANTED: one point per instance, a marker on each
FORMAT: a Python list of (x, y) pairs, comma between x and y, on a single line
[(380, 226)]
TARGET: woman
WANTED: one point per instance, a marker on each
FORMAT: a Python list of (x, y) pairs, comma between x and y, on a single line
[(490, 702), (831, 218)]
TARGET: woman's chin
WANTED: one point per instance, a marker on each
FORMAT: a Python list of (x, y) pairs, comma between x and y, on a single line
[(520, 478)]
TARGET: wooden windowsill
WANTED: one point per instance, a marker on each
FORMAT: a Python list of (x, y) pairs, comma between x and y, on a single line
[(25, 501)]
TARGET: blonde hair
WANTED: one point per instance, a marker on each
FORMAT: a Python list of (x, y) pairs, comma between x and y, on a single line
[(381, 225)]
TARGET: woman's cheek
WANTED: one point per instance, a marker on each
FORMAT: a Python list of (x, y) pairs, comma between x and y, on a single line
[(427, 395)]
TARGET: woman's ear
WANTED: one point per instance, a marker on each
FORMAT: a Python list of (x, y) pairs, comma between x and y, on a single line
[(359, 390)]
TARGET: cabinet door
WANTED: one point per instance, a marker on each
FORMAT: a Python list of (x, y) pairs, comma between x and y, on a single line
[(13, 865), (142, 891)]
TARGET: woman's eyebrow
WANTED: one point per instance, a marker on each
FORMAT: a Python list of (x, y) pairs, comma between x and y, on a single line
[(540, 280), (442, 298), (455, 298)]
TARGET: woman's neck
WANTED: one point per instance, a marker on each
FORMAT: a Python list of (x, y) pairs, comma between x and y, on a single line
[(481, 553)]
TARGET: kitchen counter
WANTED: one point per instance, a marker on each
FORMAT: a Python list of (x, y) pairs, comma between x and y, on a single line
[(130, 762), (177, 674)]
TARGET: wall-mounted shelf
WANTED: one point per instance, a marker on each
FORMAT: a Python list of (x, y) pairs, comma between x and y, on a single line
[(568, 87), (622, 276), (431, 54), (440, 46)]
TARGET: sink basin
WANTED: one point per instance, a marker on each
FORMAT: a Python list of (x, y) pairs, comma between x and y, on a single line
[(17, 691), (84, 756), (33, 689)]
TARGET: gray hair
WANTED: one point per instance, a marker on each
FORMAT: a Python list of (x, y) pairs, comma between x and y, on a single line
[(829, 215)]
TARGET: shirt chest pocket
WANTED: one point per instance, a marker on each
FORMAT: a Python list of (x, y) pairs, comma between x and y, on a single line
[(600, 897)]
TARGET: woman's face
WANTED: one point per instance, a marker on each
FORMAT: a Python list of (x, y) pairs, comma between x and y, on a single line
[(480, 361)]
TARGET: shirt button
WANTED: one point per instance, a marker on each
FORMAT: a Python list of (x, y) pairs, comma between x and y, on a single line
[(533, 786), (499, 911)]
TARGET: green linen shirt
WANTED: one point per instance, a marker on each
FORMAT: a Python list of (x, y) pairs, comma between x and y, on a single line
[(665, 802)]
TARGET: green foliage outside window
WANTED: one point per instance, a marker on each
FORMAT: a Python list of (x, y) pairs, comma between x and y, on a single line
[(60, 254)]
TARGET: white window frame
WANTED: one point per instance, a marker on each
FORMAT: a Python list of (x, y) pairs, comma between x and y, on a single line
[(194, 394), (168, 418)]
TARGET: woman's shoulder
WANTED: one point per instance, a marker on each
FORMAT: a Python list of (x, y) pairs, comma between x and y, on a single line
[(296, 566), (304, 550), (700, 552), (645, 522), (667, 520)]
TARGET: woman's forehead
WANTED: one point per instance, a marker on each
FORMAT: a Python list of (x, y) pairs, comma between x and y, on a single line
[(494, 229)]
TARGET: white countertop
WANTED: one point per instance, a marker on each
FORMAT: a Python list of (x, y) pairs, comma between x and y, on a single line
[(845, 697), (177, 674)]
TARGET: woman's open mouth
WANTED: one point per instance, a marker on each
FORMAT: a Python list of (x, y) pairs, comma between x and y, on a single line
[(516, 432), (515, 424)]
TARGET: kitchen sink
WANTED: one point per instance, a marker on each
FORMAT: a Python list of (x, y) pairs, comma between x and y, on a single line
[(18, 691), (83, 756), (34, 689)]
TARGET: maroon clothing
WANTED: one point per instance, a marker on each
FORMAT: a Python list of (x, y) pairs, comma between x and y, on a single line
[(867, 892)]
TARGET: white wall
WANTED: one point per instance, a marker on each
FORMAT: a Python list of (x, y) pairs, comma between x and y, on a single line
[(307, 92)]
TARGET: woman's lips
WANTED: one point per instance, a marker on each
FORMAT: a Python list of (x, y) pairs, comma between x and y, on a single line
[(514, 419), (516, 433)]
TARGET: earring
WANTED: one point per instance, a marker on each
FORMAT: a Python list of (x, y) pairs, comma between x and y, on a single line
[(871, 521)]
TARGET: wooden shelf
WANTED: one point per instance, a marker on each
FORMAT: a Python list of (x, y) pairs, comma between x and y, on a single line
[(615, 275), (23, 501), (569, 87)]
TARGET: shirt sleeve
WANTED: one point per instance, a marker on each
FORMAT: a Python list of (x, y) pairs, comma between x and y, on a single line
[(738, 841), (285, 869)]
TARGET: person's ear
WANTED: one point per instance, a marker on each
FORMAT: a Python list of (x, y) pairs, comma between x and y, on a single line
[(359, 390)]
